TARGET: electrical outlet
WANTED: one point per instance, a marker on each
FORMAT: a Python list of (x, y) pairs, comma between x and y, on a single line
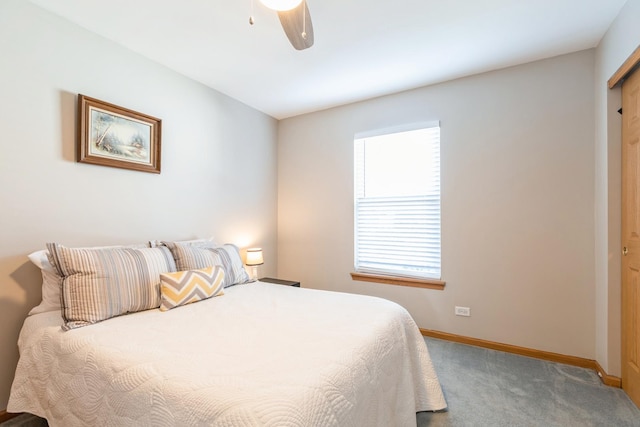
[(463, 311)]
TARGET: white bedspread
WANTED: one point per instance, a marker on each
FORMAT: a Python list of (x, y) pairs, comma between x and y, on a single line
[(260, 355)]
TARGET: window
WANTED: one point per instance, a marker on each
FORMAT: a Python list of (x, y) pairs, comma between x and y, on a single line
[(397, 204)]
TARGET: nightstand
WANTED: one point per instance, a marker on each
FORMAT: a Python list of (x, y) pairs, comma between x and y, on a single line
[(280, 282)]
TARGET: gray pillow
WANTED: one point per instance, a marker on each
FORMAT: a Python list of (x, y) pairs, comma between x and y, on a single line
[(98, 284), (208, 254)]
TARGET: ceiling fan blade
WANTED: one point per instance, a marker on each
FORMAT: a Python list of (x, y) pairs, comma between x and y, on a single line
[(297, 25)]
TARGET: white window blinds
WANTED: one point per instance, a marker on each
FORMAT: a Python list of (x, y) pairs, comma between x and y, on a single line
[(397, 204)]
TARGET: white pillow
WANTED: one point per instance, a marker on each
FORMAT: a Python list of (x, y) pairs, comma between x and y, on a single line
[(50, 283), (193, 242), (41, 260)]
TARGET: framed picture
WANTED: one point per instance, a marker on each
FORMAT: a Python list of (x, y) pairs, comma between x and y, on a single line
[(118, 137)]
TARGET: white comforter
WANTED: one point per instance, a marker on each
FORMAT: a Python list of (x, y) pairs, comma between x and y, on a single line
[(260, 355)]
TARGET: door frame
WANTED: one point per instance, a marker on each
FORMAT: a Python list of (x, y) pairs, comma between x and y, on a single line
[(630, 66), (625, 69)]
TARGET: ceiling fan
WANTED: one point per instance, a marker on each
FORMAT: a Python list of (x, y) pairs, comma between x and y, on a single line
[(295, 19)]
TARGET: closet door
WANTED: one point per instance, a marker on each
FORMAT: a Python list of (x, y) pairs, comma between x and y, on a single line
[(631, 236)]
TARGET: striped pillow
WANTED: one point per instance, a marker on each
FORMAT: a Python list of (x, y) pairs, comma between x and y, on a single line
[(102, 283), (185, 287), (193, 257), (51, 280)]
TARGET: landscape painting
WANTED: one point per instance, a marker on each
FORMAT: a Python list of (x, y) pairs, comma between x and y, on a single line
[(115, 136)]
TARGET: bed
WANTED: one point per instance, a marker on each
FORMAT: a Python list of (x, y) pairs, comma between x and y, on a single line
[(260, 354)]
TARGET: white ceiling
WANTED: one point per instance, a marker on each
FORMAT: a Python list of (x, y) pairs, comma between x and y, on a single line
[(363, 48)]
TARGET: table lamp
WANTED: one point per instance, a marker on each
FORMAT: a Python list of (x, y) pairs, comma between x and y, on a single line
[(254, 259)]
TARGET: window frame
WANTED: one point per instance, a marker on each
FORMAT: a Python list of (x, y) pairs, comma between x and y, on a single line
[(388, 277)]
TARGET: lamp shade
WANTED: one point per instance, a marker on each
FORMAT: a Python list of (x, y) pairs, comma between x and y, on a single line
[(281, 5), (254, 256)]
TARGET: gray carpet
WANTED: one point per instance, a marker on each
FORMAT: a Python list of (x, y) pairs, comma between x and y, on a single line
[(494, 389), (491, 388), (25, 420)]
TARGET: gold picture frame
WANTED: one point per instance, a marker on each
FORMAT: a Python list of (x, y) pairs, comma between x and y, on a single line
[(118, 137)]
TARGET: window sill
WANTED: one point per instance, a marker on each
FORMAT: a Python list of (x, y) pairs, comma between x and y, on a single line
[(400, 281)]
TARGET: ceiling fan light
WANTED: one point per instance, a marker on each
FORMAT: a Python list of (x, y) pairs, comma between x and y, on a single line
[(281, 5)]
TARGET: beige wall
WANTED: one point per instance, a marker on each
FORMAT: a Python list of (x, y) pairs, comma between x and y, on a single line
[(617, 45), (517, 202), (218, 170)]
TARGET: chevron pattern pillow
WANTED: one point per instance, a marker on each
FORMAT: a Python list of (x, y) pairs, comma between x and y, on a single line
[(185, 287)]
